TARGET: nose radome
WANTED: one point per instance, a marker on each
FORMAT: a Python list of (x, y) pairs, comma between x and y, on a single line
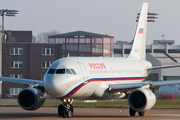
[(52, 85)]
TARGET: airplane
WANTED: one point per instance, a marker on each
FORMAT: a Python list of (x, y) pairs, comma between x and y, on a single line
[(168, 92), (98, 78)]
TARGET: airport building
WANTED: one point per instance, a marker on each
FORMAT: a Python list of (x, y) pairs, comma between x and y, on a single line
[(161, 52), (23, 59), (123, 48), (159, 59), (84, 44)]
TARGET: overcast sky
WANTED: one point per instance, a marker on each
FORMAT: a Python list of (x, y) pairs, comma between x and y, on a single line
[(113, 17)]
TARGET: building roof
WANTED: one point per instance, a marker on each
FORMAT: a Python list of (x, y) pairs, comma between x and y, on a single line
[(80, 33), (167, 58), (164, 40)]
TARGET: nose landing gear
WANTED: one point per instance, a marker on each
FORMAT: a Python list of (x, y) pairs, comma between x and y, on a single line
[(66, 110)]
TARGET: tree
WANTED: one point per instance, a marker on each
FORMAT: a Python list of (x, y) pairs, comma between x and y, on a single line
[(43, 37)]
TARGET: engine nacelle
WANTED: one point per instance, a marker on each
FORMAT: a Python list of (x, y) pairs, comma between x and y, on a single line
[(31, 98), (141, 99)]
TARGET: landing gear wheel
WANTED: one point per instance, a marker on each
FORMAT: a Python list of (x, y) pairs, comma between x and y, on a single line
[(71, 108), (61, 109), (64, 114), (141, 113), (132, 112), (66, 110), (69, 114)]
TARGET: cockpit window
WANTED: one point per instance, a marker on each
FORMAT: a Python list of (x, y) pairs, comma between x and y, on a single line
[(68, 71), (51, 71), (60, 71), (73, 71)]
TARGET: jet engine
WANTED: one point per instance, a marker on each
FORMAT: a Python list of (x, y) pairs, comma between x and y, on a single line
[(141, 99), (31, 98)]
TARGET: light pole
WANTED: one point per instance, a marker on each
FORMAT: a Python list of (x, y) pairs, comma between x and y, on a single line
[(4, 12), (150, 17)]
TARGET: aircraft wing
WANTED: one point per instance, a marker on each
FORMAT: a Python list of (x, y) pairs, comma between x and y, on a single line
[(114, 88), (163, 67), (22, 81)]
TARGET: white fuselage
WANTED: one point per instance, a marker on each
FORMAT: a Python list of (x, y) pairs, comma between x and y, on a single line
[(91, 76)]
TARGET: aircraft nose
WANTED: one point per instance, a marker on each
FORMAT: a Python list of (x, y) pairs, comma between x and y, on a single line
[(52, 85)]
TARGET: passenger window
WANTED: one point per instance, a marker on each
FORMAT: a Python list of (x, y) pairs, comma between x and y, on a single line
[(73, 71), (51, 71), (60, 71), (68, 71)]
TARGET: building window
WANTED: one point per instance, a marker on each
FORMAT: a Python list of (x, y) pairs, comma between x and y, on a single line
[(46, 64), (16, 64), (112, 48), (85, 55), (85, 48), (47, 51), (107, 49), (88, 40), (73, 55), (96, 48), (112, 41), (97, 40), (72, 48), (82, 40), (51, 40), (63, 48), (15, 91), (75, 40), (16, 51), (60, 40), (107, 40), (67, 40), (16, 76), (71, 40)]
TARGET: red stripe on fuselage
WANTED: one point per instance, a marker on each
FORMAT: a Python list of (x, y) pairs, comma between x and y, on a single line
[(103, 80)]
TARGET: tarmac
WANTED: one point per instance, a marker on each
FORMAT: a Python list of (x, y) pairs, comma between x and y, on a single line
[(46, 113)]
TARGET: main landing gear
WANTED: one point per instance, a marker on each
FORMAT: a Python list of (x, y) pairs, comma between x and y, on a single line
[(66, 110), (133, 112)]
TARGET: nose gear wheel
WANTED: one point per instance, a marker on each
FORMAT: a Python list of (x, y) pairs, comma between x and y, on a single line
[(66, 109)]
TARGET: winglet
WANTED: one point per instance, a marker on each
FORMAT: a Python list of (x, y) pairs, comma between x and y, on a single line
[(138, 50)]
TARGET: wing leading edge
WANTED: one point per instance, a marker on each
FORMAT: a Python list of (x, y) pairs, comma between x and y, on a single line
[(114, 88), (163, 67), (22, 81)]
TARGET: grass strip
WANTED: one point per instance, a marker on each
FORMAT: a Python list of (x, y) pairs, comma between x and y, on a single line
[(161, 104)]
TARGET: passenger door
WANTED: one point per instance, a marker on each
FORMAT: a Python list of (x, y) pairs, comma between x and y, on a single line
[(84, 70)]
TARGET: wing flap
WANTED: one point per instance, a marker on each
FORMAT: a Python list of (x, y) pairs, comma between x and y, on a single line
[(22, 81)]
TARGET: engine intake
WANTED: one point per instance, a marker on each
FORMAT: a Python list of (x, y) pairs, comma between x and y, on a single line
[(141, 99), (31, 98)]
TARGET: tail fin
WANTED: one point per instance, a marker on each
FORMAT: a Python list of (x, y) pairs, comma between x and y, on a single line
[(138, 49)]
